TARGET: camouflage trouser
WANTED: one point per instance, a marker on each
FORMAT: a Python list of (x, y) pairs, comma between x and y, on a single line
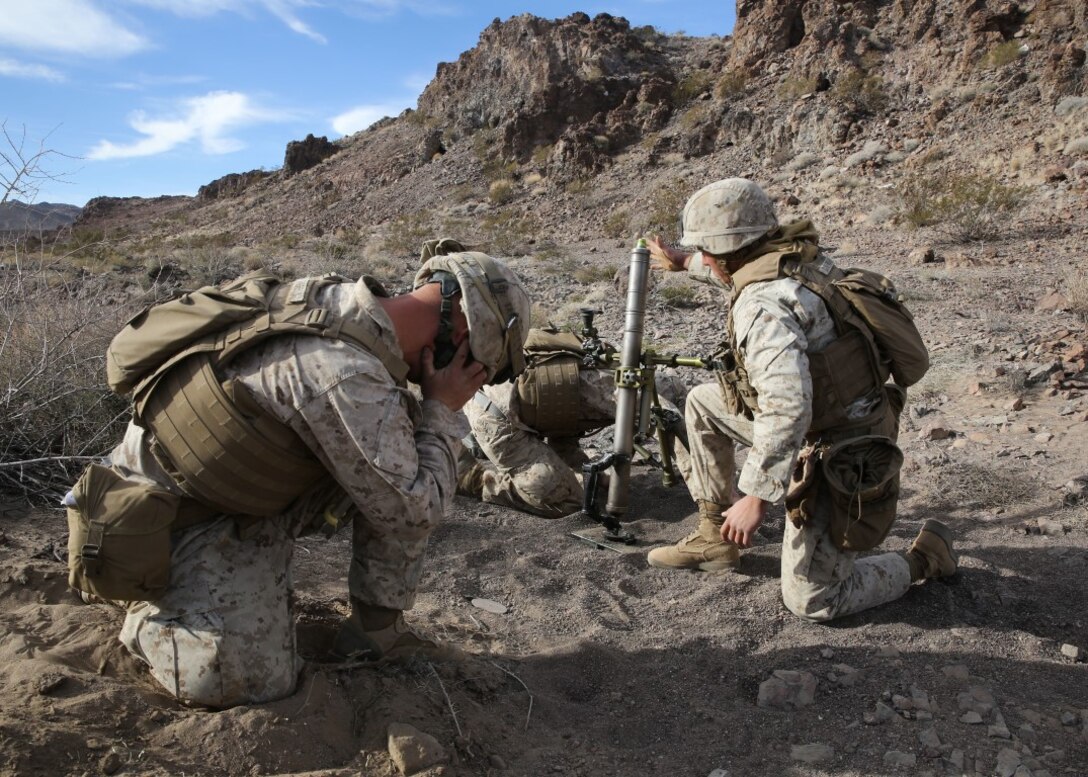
[(819, 581), (223, 634), (529, 474)]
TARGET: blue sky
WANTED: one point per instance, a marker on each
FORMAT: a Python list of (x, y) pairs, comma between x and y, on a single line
[(152, 97)]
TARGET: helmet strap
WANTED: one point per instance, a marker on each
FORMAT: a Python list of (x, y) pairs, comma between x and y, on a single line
[(444, 348)]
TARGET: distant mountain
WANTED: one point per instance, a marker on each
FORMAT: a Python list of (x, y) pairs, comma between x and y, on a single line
[(17, 216)]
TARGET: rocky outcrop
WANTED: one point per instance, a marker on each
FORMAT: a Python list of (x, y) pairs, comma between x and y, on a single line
[(230, 185), (586, 85), (304, 154)]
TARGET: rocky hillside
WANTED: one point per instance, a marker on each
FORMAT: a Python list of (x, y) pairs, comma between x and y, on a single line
[(588, 128)]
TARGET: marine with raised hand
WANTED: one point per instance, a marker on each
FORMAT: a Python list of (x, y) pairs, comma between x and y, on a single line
[(805, 386), (338, 436)]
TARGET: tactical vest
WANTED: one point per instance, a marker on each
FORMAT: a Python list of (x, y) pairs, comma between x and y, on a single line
[(876, 338), (217, 443), (548, 389)]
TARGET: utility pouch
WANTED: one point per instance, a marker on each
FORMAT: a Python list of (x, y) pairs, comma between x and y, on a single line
[(119, 536), (861, 480), (739, 396), (804, 486)]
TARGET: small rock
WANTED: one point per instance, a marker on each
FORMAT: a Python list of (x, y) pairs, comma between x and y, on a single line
[(934, 432), (1008, 761), (998, 728), (110, 763), (412, 750), (847, 675), (971, 718), (827, 653), (1052, 302), (1072, 651), (902, 702), (931, 742), (888, 651), (1051, 528), (787, 689), (497, 762), (49, 682), (1043, 437), (956, 759), (882, 714), (1015, 405), (1069, 718), (895, 758), (811, 754), (718, 773), (921, 256)]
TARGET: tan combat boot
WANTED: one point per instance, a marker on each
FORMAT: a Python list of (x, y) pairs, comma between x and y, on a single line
[(703, 549), (375, 633), (931, 555)]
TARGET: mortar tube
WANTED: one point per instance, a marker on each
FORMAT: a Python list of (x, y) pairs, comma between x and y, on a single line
[(630, 366)]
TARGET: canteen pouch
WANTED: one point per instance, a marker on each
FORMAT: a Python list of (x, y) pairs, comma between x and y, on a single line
[(119, 536)]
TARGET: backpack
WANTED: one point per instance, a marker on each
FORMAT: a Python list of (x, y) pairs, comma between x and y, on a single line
[(549, 390), (867, 301)]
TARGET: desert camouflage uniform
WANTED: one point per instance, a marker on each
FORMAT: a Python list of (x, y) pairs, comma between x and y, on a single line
[(777, 323), (532, 473), (223, 633)]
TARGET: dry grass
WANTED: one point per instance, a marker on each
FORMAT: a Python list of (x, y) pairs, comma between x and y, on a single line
[(54, 404), (965, 484), (1076, 290)]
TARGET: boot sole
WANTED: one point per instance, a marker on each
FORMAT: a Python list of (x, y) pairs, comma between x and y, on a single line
[(706, 566), (933, 526)]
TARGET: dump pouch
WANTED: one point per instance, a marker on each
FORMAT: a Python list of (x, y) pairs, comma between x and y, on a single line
[(119, 536), (861, 480)]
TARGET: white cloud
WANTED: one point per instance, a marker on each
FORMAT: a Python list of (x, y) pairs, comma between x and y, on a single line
[(68, 26), (13, 69), (363, 116), (206, 119), (287, 10)]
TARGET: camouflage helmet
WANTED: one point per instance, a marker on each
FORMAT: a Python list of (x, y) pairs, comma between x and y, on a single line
[(727, 215), (495, 304)]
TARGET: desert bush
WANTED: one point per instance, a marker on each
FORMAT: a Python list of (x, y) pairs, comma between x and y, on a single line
[(1000, 55), (1076, 147), (541, 155), (1067, 106), (872, 150), (206, 266), (803, 160), (678, 296), (533, 178), (691, 86), (594, 273), (968, 485), (501, 191), (965, 206), (857, 91), (1076, 290), (616, 223), (733, 83), (663, 212), (55, 409), (509, 234), (406, 233), (792, 88)]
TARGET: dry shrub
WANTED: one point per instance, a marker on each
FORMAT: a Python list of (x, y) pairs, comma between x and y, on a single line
[(55, 408), (857, 91), (406, 233), (968, 485), (678, 296), (508, 234), (733, 83), (664, 209), (965, 206), (616, 223), (1000, 55), (501, 191), (594, 273), (691, 86), (1076, 291), (792, 88)]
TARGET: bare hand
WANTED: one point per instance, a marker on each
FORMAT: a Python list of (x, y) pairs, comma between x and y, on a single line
[(743, 519), (664, 258), (454, 384)]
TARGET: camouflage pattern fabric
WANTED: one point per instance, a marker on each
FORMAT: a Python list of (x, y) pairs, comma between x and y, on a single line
[(543, 476), (393, 456), (223, 634), (530, 473), (777, 323)]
